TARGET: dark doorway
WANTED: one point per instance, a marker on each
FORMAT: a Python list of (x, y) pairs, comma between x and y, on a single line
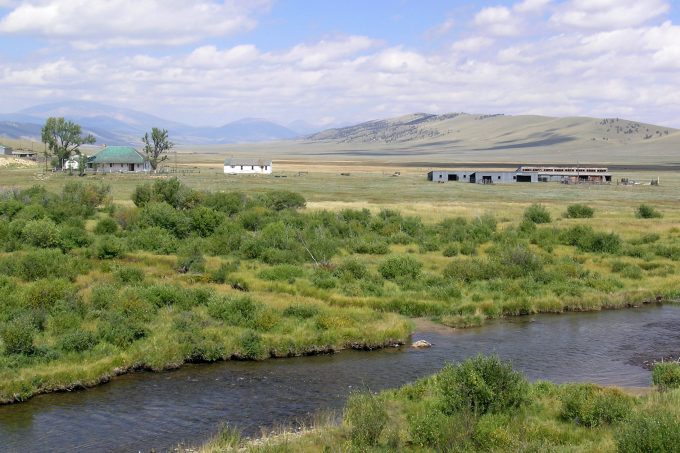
[(523, 178), (486, 180), (131, 167), (453, 177)]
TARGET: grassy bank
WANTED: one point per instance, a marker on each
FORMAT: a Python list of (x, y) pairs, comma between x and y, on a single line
[(482, 405), (93, 286)]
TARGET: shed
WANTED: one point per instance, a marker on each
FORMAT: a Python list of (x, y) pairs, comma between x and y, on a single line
[(247, 166), (118, 159)]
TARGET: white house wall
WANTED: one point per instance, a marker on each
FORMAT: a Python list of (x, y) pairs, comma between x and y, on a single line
[(121, 168), (247, 169)]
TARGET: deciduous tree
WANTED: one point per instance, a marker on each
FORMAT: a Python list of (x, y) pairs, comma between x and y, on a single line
[(63, 138), (156, 146)]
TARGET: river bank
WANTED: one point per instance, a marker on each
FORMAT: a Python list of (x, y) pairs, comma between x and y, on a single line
[(189, 404)]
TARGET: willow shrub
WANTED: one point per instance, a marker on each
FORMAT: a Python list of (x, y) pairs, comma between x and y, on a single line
[(666, 375), (481, 385), (366, 415), (657, 431), (590, 405), (579, 211)]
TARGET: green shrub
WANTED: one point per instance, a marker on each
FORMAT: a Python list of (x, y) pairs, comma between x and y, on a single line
[(369, 246), (153, 239), (77, 341), (235, 310), (480, 385), (44, 294), (400, 266), (221, 274), (41, 233), (579, 211), (351, 269), (120, 330), (109, 247), (190, 259), (106, 226), (281, 199), (323, 279), (301, 311), (645, 211), (429, 427), (38, 264), (470, 270), (281, 272), (647, 432), (366, 416), (666, 375), (130, 275), (537, 213), (451, 250), (17, 336), (590, 405), (252, 346), (205, 220)]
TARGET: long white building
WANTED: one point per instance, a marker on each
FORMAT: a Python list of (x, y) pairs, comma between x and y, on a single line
[(235, 166)]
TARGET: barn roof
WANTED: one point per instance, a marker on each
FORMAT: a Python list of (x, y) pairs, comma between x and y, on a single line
[(118, 155), (247, 161)]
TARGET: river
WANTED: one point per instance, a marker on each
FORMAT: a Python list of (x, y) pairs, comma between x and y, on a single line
[(144, 411)]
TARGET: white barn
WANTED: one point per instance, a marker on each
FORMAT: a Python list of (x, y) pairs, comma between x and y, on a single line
[(234, 166)]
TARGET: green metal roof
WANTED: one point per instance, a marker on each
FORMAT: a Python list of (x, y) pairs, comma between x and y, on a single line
[(117, 155)]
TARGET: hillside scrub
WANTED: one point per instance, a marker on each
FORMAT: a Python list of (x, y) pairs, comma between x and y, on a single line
[(494, 409), (184, 275)]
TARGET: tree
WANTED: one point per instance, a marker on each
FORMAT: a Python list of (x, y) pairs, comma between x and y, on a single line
[(156, 146), (63, 138)]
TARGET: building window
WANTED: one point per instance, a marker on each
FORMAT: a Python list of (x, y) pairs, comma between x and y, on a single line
[(499, 177), (252, 167), (241, 167), (110, 165)]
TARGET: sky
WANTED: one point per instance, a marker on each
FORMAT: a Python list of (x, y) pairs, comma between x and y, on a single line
[(206, 62)]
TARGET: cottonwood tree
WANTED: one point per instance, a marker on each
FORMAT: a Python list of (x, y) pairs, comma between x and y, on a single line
[(156, 146), (63, 138)]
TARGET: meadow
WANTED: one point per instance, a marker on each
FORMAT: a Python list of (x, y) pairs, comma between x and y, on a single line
[(483, 405), (101, 275)]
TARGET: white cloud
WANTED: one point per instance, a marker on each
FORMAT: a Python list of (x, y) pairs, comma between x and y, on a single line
[(92, 24), (629, 71), (498, 21), (531, 6), (440, 29), (608, 14)]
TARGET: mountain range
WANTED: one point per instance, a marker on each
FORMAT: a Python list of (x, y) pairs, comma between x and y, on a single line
[(117, 126), (405, 135)]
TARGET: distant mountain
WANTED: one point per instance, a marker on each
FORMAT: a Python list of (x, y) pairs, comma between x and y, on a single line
[(494, 132), (115, 125)]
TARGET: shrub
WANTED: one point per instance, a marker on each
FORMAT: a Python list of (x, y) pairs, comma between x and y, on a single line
[(221, 274), (205, 220), (106, 226), (666, 375), (480, 385), (153, 239), (109, 247), (301, 311), (366, 416), (429, 427), (537, 213), (120, 330), (17, 337), (77, 341), (351, 269), (38, 264), (579, 211), (41, 233), (127, 274), (282, 199), (400, 266), (281, 272), (469, 270), (190, 259), (590, 405), (451, 250), (645, 211), (657, 432), (252, 345), (234, 310)]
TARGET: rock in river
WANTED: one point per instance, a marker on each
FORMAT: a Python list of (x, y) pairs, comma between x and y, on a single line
[(421, 344)]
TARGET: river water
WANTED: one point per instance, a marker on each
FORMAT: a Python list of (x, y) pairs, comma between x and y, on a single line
[(144, 411)]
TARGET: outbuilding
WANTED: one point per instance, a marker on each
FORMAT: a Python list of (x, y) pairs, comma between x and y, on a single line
[(115, 159), (233, 166)]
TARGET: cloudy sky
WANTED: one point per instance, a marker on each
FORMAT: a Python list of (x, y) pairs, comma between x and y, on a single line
[(342, 61)]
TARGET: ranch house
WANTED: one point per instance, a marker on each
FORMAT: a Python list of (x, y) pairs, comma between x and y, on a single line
[(118, 159), (247, 167)]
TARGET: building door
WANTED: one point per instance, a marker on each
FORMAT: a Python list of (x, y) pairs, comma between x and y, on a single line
[(523, 178), (486, 180), (131, 167), (453, 177)]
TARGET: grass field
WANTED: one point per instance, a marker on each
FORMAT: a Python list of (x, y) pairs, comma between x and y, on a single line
[(393, 248)]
